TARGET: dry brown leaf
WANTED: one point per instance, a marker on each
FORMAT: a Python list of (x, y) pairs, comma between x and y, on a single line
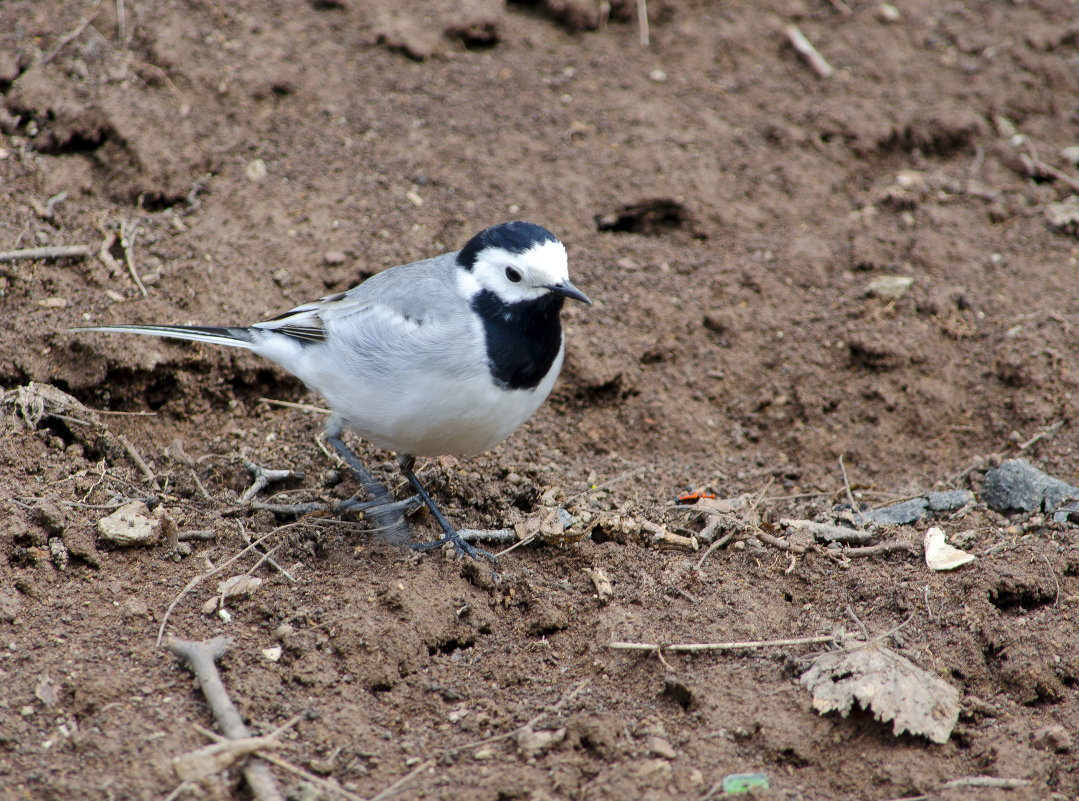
[(889, 685)]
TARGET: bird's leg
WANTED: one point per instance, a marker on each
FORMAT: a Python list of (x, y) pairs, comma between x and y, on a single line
[(383, 510), (449, 533)]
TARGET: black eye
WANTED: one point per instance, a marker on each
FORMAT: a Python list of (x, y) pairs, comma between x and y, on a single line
[(513, 275)]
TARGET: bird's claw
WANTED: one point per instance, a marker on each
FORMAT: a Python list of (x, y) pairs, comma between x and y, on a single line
[(459, 544)]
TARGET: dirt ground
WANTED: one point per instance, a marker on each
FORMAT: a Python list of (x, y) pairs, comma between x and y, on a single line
[(731, 212)]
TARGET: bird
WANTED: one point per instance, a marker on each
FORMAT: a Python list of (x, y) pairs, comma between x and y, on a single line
[(444, 356)]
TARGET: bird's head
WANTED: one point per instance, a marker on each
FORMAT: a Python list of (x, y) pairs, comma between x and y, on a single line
[(516, 261)]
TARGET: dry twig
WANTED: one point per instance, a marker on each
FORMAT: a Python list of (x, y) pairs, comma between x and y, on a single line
[(140, 463), (46, 254), (1035, 168), (642, 21), (808, 52), (988, 781), (203, 576), (128, 232), (264, 477), (717, 544), (698, 647), (201, 658), (67, 38), (882, 549), (306, 407)]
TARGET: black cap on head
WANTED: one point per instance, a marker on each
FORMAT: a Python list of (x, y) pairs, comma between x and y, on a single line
[(515, 237)]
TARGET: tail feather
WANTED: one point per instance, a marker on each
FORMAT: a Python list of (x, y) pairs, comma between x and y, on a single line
[(230, 337)]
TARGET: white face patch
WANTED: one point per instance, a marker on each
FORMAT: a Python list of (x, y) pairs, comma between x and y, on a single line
[(496, 269)]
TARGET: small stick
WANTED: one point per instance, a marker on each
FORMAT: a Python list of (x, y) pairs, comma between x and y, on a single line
[(220, 755), (858, 620), (1045, 432), (841, 7), (487, 534), (266, 557), (808, 52), (642, 21), (602, 584), (306, 407), (987, 781), (883, 549), (827, 531), (663, 539), (198, 483), (136, 457), (712, 522), (67, 38), (328, 785), (203, 576), (850, 495), (105, 252), (397, 785), (128, 232), (516, 545), (121, 24), (46, 254), (1035, 166), (717, 544), (201, 658), (698, 647), (663, 660), (263, 477), (779, 542), (1053, 573)]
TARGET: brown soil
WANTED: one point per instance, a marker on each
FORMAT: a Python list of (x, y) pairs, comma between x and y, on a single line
[(272, 152)]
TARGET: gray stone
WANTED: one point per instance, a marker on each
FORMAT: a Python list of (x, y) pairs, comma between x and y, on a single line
[(949, 501), (899, 514), (1019, 486), (1068, 513)]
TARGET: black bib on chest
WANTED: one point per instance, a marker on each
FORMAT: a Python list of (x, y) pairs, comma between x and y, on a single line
[(523, 339)]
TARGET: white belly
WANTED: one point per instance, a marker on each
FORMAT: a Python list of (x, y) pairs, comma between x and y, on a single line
[(434, 414)]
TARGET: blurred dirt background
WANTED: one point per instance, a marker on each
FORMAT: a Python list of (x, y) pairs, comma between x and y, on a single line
[(739, 220)]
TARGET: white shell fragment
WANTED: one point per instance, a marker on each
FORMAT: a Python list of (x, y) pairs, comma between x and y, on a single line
[(131, 524), (889, 287), (939, 555)]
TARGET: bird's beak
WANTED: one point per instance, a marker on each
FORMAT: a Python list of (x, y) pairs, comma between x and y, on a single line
[(566, 289)]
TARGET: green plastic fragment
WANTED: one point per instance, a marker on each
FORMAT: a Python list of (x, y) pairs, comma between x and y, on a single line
[(738, 783)]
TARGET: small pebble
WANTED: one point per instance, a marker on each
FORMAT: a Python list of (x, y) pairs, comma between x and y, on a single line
[(659, 747), (256, 171), (659, 76), (886, 12), (1070, 154), (334, 257)]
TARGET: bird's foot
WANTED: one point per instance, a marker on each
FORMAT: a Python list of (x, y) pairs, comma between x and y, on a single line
[(459, 544)]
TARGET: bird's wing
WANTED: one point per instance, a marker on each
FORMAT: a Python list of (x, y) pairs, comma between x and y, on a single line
[(423, 291)]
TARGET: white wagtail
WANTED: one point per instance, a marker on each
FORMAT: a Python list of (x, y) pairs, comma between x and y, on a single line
[(448, 355)]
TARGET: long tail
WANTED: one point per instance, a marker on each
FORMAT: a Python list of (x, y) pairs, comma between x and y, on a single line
[(230, 337)]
